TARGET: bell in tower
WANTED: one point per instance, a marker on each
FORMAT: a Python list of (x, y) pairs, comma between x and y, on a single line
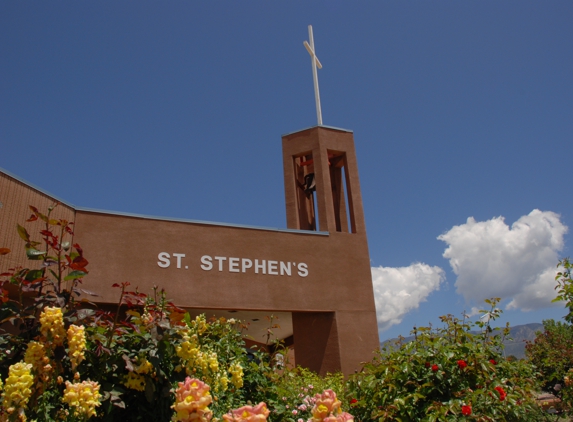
[(321, 181)]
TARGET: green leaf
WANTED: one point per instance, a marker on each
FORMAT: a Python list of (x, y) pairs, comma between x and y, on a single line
[(74, 275), (34, 254), (23, 233), (85, 313), (34, 275), (42, 217)]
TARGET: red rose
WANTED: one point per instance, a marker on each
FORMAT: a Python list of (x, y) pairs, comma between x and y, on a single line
[(462, 364), (493, 362), (466, 410), (353, 401), (435, 367), (502, 393)]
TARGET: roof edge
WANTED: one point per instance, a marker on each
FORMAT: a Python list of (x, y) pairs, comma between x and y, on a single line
[(151, 217), (33, 186), (202, 222), (324, 126)]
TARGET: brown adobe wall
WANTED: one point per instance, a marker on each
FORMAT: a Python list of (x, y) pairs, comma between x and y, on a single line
[(16, 197), (125, 248)]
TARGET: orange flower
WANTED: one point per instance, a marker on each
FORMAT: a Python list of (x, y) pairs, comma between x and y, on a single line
[(191, 401), (258, 413), (327, 408), (325, 404), (342, 417)]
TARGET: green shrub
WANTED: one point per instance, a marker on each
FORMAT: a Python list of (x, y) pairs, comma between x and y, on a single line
[(449, 373), (551, 352), (295, 391)]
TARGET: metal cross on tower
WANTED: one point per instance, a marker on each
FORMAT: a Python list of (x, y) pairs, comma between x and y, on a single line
[(315, 64)]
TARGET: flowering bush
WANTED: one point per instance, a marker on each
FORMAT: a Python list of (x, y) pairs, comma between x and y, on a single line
[(448, 373), (67, 362), (293, 392)]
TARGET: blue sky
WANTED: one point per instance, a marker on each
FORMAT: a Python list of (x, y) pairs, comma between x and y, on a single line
[(176, 109)]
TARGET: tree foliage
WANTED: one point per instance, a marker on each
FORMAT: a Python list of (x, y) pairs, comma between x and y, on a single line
[(551, 352), (565, 287)]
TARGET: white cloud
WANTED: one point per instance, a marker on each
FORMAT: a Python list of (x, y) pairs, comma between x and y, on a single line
[(518, 263), (400, 290)]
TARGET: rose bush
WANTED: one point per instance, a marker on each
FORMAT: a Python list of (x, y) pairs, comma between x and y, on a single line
[(455, 372)]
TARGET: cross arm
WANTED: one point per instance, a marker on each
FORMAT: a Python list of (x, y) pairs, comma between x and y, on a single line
[(312, 54)]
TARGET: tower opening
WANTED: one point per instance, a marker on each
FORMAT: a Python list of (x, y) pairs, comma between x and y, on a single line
[(341, 194), (305, 180)]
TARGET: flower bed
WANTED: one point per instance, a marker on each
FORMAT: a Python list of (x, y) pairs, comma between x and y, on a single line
[(148, 360)]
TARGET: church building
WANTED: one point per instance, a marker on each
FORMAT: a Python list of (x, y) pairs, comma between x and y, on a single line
[(314, 275)]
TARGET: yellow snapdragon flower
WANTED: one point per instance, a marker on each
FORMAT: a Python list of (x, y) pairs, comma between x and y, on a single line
[(200, 324), (35, 354), (83, 398), (52, 325), (76, 344), (134, 381), (236, 371), (17, 390), (188, 351), (145, 367), (224, 383), (212, 361)]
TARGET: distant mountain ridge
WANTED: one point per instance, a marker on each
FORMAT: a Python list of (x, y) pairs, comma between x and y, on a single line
[(519, 335)]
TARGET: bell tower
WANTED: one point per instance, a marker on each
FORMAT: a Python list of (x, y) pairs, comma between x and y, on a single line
[(322, 189), (322, 193)]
